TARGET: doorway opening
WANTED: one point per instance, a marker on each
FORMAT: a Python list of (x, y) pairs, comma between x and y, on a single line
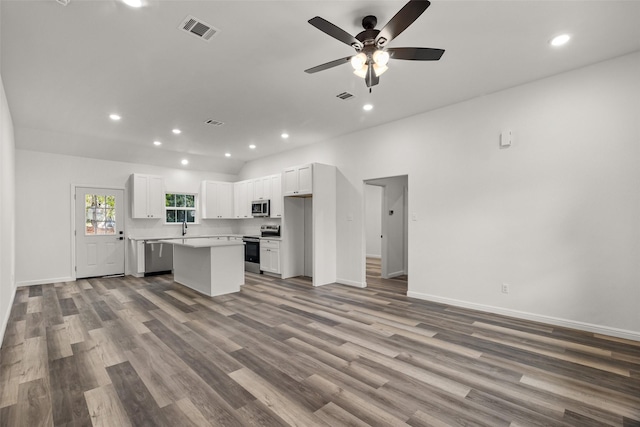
[(386, 232)]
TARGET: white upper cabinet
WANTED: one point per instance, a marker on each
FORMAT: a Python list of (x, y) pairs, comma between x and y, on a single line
[(298, 180), (276, 196), (262, 188), (217, 199), (147, 196), (243, 196)]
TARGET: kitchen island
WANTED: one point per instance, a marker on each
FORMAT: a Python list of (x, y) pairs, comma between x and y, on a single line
[(208, 265)]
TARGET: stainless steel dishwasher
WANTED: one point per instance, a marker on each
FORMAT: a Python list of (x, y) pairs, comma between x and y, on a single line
[(158, 258)]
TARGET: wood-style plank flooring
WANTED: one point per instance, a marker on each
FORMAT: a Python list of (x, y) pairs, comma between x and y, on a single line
[(148, 352)]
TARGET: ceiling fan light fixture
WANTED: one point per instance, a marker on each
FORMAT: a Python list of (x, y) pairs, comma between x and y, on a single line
[(358, 61), (381, 57), (362, 72), (379, 69)]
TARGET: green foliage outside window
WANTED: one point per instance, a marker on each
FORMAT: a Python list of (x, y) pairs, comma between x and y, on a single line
[(180, 208)]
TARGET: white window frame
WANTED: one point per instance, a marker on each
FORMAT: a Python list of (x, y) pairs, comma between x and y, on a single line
[(176, 208)]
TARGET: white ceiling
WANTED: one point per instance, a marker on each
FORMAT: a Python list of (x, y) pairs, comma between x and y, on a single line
[(66, 68)]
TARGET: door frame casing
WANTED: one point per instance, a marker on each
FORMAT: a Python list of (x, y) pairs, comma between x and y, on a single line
[(384, 226), (72, 237)]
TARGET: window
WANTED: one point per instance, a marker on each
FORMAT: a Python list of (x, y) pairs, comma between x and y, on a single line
[(180, 208), (100, 214)]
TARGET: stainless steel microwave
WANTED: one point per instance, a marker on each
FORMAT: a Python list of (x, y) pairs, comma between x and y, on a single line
[(260, 208)]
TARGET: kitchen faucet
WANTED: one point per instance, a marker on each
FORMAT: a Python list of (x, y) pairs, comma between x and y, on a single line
[(184, 227)]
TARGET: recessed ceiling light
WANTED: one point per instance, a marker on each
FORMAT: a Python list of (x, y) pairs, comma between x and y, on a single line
[(133, 3), (185, 162), (560, 40), (114, 117), (176, 131), (227, 154), (252, 146), (367, 107), (156, 143), (285, 135)]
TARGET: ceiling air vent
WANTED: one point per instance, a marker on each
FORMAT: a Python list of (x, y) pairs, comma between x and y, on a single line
[(214, 122), (345, 95), (198, 28)]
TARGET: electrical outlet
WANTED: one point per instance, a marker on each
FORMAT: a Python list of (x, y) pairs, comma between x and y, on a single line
[(505, 288)]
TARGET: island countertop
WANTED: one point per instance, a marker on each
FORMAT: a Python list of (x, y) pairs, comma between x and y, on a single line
[(204, 236), (200, 242)]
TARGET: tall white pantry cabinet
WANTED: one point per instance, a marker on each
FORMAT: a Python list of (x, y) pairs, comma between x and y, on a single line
[(309, 223)]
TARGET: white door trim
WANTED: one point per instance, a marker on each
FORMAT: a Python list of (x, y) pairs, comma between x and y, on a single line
[(72, 236), (384, 225)]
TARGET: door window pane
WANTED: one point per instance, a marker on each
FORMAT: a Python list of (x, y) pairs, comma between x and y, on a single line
[(100, 214)]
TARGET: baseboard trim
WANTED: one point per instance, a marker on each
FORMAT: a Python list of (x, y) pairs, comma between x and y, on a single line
[(46, 281), (351, 283), (395, 274), (555, 321), (5, 321)]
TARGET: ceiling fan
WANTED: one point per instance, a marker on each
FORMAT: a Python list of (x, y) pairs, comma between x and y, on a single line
[(371, 57)]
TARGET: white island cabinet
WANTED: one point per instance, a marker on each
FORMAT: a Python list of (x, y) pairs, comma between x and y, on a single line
[(208, 265)]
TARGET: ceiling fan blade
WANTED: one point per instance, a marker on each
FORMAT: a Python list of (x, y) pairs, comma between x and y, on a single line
[(415, 53), (328, 65), (371, 79), (335, 32), (405, 17)]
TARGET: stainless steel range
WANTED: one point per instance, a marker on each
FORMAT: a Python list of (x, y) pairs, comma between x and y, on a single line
[(270, 230), (251, 253)]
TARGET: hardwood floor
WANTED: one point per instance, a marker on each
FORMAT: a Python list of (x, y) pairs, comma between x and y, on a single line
[(135, 352), (376, 282)]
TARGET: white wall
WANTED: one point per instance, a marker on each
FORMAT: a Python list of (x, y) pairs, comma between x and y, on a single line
[(7, 212), (373, 220), (555, 216), (44, 181)]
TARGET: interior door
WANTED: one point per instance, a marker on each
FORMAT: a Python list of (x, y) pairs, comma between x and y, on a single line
[(99, 232)]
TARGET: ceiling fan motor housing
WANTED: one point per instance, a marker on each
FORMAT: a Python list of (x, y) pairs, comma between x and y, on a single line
[(369, 22)]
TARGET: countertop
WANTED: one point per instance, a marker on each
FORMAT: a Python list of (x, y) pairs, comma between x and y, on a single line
[(279, 238), (206, 236), (199, 242)]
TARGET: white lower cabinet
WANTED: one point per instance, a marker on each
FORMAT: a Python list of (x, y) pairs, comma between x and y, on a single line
[(270, 256)]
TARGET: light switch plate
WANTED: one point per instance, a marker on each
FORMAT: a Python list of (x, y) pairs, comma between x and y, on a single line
[(505, 139)]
